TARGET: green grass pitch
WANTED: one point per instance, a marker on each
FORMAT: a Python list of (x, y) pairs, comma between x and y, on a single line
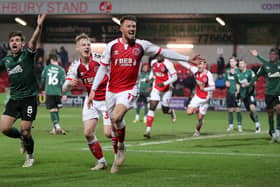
[(172, 157)]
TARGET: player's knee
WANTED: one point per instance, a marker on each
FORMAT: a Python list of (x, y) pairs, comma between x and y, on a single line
[(89, 137), (116, 119), (189, 111), (108, 131), (88, 133), (277, 109), (3, 128), (108, 134), (25, 132)]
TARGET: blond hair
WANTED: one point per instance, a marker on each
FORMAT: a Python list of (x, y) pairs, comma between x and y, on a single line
[(81, 36)]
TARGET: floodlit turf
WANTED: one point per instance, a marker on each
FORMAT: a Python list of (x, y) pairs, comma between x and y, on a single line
[(172, 157)]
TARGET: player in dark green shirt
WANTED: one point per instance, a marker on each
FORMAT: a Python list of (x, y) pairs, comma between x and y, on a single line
[(271, 71), (247, 92), (53, 77), (145, 88), (232, 99), (23, 89)]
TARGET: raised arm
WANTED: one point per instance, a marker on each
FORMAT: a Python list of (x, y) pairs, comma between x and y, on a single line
[(255, 53), (33, 41)]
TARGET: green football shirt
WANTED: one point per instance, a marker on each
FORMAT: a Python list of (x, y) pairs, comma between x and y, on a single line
[(53, 76), (245, 77), (20, 68), (144, 85), (231, 79), (271, 72)]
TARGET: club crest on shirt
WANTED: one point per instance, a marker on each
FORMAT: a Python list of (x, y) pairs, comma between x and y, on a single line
[(136, 51), (162, 69), (116, 52), (205, 79)]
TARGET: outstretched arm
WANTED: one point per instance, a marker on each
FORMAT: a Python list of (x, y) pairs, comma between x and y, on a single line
[(255, 53), (187, 65), (171, 55), (33, 41)]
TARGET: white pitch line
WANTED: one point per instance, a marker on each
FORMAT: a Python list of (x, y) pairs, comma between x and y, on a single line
[(189, 139), (107, 148), (207, 153), (185, 139)]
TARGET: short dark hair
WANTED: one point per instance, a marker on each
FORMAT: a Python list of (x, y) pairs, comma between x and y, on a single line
[(128, 17), (53, 57), (17, 33), (275, 50)]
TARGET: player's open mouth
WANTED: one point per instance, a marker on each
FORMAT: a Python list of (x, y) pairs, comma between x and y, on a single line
[(131, 33)]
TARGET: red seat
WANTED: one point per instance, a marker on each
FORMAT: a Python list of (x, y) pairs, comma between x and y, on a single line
[(213, 68)]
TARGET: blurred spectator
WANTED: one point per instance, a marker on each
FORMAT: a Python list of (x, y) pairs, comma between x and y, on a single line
[(220, 65), (190, 82), (39, 66), (52, 52), (40, 52), (63, 57), (220, 82), (3, 50), (183, 81), (179, 85)]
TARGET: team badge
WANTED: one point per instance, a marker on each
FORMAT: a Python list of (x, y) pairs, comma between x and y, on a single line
[(136, 51), (116, 52), (204, 79)]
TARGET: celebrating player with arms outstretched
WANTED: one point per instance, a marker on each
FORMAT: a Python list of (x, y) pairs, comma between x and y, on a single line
[(85, 70), (204, 87), (24, 90), (122, 57)]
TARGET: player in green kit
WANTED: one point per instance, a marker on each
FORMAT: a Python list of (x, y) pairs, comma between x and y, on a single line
[(145, 88), (247, 92), (23, 90), (271, 71), (53, 77), (232, 96)]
